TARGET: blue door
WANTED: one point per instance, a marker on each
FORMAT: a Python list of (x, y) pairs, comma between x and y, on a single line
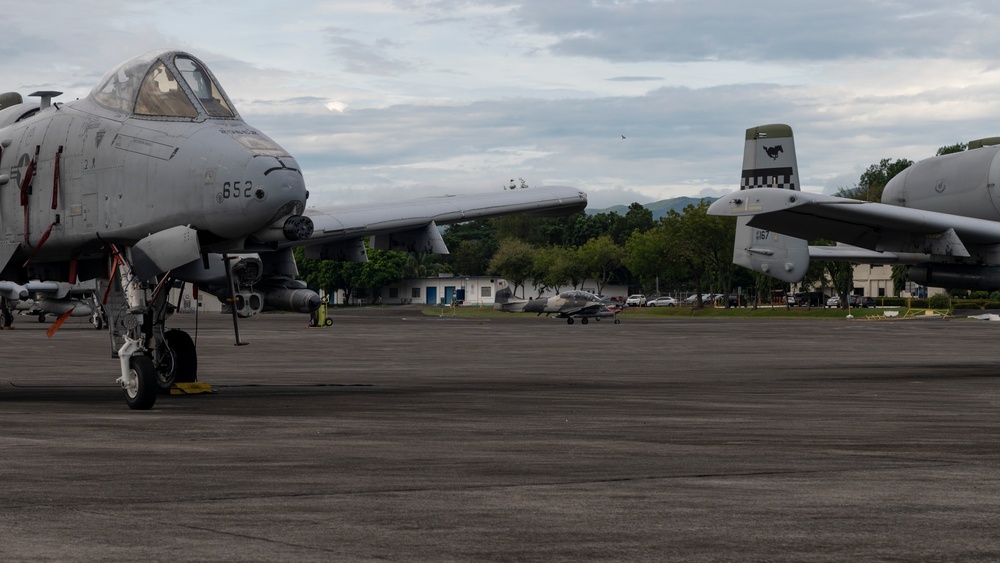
[(432, 295), (449, 294)]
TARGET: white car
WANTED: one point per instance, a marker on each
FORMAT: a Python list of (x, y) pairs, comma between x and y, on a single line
[(662, 302), (636, 300)]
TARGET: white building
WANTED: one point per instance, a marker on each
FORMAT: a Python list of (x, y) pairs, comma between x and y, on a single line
[(875, 280), (469, 290)]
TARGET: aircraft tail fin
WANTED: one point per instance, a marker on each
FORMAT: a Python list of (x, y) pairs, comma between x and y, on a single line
[(503, 296), (504, 300), (769, 163)]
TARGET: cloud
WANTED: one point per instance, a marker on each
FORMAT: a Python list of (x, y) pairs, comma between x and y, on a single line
[(708, 30), (382, 98), (636, 79), (356, 56)]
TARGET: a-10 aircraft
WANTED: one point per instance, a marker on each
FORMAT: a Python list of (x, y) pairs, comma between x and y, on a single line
[(154, 179), (43, 298), (569, 305), (940, 216)]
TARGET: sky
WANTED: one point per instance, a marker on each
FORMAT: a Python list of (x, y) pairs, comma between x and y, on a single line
[(381, 100)]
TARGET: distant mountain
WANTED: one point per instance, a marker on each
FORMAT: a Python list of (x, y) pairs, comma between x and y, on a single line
[(659, 208)]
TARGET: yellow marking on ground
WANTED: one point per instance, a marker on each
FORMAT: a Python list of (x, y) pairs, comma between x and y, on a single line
[(195, 388)]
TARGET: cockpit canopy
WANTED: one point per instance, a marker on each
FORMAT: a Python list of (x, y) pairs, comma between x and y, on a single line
[(578, 295), (164, 84)]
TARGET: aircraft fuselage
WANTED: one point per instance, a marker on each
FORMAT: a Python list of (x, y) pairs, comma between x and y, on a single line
[(89, 175)]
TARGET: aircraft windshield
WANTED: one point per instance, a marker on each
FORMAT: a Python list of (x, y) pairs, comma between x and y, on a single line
[(117, 89), (163, 84), (581, 295), (161, 95), (204, 88)]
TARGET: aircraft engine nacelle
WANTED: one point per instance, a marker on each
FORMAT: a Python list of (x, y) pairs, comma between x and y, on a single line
[(975, 278), (960, 183), (293, 300)]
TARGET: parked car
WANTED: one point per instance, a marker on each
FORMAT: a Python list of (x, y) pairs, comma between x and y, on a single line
[(664, 301), (636, 300), (737, 301), (856, 301), (706, 298), (798, 300)]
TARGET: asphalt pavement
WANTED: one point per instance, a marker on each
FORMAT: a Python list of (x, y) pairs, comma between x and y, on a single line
[(396, 436)]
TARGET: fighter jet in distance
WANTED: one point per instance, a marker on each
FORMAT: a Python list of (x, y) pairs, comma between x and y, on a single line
[(153, 180), (569, 305), (940, 216)]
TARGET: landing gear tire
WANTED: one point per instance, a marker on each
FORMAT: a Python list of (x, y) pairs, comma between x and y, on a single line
[(584, 321), (41, 317), (569, 321), (6, 318), (97, 320), (618, 321), (141, 393), (180, 362)]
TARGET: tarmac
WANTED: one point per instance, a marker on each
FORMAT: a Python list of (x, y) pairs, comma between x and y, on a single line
[(396, 436)]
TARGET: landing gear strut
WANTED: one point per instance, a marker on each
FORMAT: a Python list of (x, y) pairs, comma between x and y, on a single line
[(152, 358)]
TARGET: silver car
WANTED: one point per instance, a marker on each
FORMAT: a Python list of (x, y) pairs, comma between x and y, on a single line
[(662, 302)]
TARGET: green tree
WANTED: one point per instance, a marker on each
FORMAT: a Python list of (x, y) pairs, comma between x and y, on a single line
[(600, 258), (420, 265), (704, 245), (471, 244), (514, 260), (556, 267), (648, 256), (384, 268), (874, 179), (636, 219), (950, 149)]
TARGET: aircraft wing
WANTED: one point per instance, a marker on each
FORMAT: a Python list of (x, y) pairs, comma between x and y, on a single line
[(411, 225), (873, 226), (585, 310), (16, 292)]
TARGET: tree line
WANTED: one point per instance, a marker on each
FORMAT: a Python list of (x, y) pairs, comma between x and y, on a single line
[(682, 251)]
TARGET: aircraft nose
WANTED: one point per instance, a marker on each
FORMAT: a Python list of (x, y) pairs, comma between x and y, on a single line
[(276, 199), (256, 186)]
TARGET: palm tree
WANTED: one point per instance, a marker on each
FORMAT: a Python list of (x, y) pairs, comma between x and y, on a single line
[(422, 265)]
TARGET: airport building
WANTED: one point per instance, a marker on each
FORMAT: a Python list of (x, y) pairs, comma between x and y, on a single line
[(464, 290), (875, 280)]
